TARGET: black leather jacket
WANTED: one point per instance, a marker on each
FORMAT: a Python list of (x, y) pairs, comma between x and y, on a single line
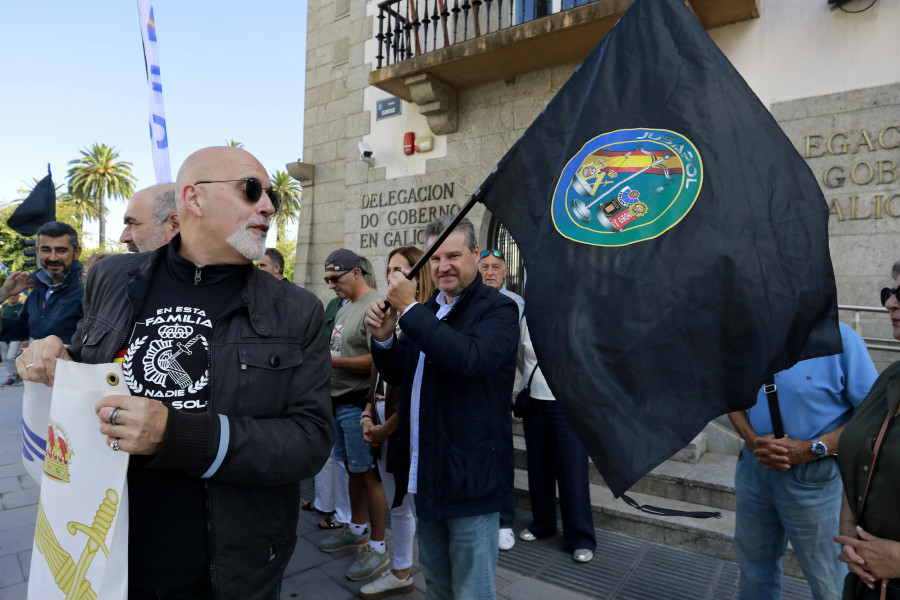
[(270, 401)]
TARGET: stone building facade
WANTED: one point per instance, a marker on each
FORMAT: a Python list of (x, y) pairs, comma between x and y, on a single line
[(829, 77)]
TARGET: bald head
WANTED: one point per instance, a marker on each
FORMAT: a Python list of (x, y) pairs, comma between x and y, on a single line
[(222, 220), (151, 219)]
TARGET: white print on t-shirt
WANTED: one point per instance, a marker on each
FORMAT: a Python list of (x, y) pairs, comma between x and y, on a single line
[(171, 351), (337, 339)]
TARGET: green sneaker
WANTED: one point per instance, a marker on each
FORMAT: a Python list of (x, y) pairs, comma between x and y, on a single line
[(368, 562), (344, 539)]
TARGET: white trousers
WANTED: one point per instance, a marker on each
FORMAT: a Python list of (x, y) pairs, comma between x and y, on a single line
[(332, 490), (403, 518)]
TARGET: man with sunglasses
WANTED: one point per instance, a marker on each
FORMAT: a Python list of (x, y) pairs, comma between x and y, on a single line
[(351, 368), (493, 269), (455, 363), (789, 488), (229, 370)]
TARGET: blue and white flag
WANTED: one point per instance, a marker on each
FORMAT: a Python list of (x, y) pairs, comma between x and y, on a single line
[(159, 139)]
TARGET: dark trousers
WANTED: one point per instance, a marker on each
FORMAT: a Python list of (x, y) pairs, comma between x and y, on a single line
[(555, 455)]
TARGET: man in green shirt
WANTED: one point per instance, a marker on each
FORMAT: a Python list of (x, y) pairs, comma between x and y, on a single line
[(351, 364)]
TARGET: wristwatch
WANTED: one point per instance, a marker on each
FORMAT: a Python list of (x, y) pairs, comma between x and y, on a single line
[(818, 448)]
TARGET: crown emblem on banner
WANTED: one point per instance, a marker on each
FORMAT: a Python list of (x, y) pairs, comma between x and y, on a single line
[(58, 454)]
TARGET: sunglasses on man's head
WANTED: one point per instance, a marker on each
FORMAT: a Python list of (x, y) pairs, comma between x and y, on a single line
[(334, 278), (886, 294), (496, 253), (253, 187)]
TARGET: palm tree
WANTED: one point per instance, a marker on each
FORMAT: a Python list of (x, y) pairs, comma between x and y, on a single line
[(233, 144), (99, 175), (291, 193)]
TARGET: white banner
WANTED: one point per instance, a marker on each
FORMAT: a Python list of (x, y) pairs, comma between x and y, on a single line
[(159, 138), (81, 535)]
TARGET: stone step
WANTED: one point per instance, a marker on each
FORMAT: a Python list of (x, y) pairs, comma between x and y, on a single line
[(709, 481), (710, 537)]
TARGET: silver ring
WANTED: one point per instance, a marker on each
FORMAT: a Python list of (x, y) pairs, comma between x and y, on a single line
[(115, 445), (112, 415)]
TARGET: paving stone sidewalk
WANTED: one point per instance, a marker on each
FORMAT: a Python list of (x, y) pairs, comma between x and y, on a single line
[(623, 568)]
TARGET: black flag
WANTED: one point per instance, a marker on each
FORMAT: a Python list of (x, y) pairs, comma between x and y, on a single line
[(676, 244), (38, 208)]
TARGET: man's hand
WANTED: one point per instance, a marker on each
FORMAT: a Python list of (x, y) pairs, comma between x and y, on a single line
[(140, 423), (381, 320), (401, 291), (16, 283), (869, 557), (38, 361), (780, 454)]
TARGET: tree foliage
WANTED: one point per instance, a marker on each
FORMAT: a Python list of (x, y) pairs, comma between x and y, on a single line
[(99, 175), (288, 249), (291, 194)]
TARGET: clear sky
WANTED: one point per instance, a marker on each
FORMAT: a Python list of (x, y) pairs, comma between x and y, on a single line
[(73, 74)]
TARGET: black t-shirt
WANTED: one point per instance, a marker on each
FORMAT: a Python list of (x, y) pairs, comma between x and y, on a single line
[(167, 358)]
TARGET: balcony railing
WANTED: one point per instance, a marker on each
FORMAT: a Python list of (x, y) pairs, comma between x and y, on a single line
[(408, 28)]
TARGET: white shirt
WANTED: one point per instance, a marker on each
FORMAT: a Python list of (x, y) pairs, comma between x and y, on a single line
[(415, 396)]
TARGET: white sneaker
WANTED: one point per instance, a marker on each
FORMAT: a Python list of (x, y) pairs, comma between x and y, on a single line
[(386, 585), (583, 555), (507, 539)]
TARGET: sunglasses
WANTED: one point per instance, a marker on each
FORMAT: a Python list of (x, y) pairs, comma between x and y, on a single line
[(496, 253), (253, 187), (886, 294), (334, 278)]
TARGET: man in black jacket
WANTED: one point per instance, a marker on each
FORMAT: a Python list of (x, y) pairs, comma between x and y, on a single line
[(229, 371), (455, 361)]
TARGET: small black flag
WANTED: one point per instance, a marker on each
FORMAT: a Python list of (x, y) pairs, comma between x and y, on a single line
[(676, 244), (38, 208)]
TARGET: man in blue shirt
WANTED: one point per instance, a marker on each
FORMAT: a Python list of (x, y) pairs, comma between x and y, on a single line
[(789, 488), (54, 306)]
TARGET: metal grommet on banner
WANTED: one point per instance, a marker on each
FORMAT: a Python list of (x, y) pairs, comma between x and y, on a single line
[(112, 379)]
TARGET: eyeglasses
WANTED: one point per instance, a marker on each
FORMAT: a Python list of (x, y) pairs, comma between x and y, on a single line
[(886, 294), (253, 188), (496, 253), (334, 278)]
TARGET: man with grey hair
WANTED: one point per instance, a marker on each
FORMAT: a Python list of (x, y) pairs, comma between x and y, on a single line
[(455, 364), (272, 262), (151, 218)]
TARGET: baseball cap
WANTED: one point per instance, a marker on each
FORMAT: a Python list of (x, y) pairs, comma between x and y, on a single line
[(343, 260)]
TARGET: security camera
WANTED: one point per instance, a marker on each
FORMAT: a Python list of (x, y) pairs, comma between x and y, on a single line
[(365, 153)]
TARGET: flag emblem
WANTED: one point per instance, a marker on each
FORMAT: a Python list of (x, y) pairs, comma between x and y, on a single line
[(627, 186), (58, 454)]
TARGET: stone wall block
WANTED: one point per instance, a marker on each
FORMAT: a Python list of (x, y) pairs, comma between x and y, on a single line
[(340, 50), (357, 172), (358, 124)]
